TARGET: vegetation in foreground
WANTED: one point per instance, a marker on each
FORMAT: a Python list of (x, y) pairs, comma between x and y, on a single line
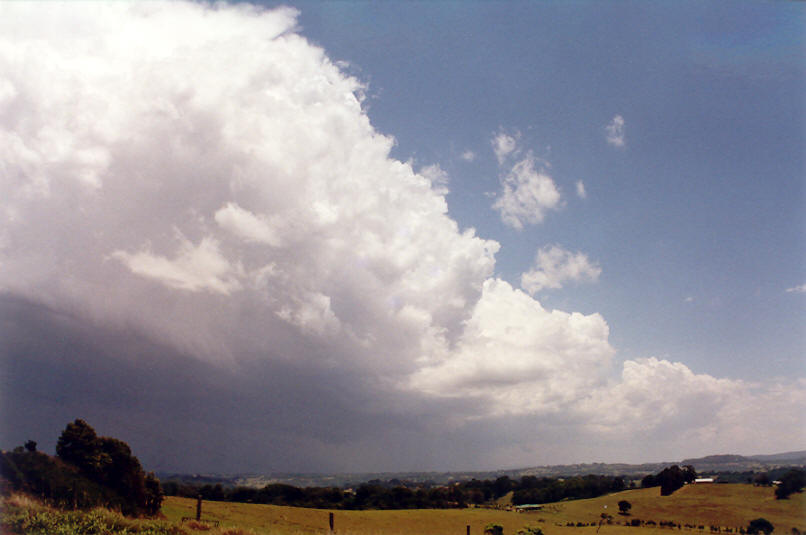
[(693, 510), (88, 471), (27, 516)]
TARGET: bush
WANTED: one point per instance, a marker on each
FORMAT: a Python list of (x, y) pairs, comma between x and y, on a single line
[(493, 529), (23, 515), (624, 507), (792, 481), (760, 525)]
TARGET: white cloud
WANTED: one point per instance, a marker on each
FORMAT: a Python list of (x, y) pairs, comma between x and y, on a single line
[(689, 299), (555, 266), (468, 155), (504, 145), (439, 177), (527, 193), (659, 400), (194, 268), (247, 225), (580, 186), (797, 289), (520, 357), (614, 131)]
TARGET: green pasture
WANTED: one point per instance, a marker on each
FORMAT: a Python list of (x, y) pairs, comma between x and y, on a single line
[(726, 506)]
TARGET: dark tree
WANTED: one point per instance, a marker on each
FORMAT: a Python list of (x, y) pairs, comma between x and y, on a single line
[(792, 481), (624, 507), (501, 486), (30, 446), (78, 445), (760, 525), (109, 462), (689, 474)]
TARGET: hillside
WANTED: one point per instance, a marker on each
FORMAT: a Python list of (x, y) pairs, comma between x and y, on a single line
[(718, 505), (712, 463)]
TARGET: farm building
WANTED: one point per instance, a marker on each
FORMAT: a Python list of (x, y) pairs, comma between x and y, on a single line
[(528, 507)]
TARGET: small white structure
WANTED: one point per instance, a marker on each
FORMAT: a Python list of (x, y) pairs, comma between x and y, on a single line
[(703, 480), (528, 507)]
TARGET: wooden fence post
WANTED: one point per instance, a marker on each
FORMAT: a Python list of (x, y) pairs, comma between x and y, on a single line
[(330, 518), (198, 507)]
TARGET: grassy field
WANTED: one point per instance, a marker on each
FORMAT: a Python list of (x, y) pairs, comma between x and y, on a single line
[(707, 505)]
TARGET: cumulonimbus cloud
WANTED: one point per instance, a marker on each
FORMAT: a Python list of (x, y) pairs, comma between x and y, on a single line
[(241, 206)]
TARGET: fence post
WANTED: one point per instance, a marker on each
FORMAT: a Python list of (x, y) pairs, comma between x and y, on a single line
[(468, 529), (330, 519), (198, 507)]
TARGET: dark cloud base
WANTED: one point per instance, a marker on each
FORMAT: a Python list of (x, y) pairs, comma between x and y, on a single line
[(181, 413)]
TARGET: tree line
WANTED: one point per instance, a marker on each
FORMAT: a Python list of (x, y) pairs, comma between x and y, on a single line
[(396, 494), (87, 471)]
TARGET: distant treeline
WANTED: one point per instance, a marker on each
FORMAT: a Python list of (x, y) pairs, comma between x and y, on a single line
[(396, 494)]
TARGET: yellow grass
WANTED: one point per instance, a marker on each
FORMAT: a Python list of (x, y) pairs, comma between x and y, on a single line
[(719, 505)]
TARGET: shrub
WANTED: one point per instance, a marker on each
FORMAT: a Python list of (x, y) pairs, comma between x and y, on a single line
[(792, 481), (624, 507), (493, 529), (760, 525)]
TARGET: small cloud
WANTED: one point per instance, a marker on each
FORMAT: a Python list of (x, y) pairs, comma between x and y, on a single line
[(527, 194), (581, 189), (614, 132), (689, 299), (504, 145), (468, 155), (797, 289), (195, 267), (555, 266)]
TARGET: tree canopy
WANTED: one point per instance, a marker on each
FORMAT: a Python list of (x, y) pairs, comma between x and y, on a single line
[(87, 471)]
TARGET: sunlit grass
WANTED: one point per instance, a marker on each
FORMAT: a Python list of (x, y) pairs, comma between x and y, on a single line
[(704, 505), (726, 506)]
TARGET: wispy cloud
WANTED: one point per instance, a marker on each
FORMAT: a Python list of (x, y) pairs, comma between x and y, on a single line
[(797, 289), (580, 187), (554, 266), (504, 145), (614, 131), (468, 155), (527, 190)]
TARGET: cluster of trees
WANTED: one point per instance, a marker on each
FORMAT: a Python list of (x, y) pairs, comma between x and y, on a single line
[(87, 471), (670, 479), (532, 489), (791, 482), (397, 494), (365, 496)]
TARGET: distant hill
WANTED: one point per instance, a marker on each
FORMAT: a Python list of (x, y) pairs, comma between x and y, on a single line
[(797, 457), (708, 464), (739, 463)]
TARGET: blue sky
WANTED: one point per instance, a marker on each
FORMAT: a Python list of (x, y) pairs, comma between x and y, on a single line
[(704, 201), (249, 229)]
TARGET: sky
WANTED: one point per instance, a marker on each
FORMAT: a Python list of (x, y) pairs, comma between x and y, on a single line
[(353, 236)]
